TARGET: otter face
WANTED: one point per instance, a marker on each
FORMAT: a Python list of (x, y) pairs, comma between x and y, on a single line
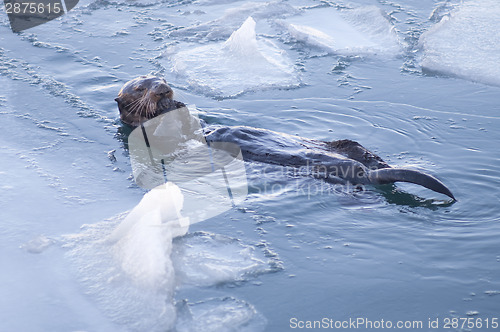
[(143, 98)]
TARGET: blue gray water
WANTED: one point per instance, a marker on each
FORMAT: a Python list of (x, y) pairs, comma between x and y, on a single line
[(394, 253)]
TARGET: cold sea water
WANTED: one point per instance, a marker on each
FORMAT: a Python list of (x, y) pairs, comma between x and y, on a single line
[(416, 82)]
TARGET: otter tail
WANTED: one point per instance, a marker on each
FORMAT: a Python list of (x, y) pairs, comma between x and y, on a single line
[(390, 175)]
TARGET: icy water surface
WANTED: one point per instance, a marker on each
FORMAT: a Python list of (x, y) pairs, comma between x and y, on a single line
[(415, 82)]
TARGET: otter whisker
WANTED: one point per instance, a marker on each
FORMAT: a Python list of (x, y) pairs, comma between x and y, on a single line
[(144, 106), (132, 103), (137, 107), (134, 107), (151, 108)]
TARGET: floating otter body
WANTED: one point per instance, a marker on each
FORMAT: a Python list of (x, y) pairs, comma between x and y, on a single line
[(342, 161)]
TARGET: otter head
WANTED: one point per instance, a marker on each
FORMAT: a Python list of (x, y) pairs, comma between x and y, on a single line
[(144, 98)]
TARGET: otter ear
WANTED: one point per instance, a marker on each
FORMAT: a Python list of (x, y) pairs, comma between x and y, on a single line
[(118, 99)]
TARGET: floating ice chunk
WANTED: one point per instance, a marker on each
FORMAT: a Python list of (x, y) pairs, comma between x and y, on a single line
[(244, 40), (220, 315), (128, 268), (143, 241), (221, 28), (207, 259), (130, 265), (37, 245), (466, 43), (360, 31), (139, 303), (241, 63)]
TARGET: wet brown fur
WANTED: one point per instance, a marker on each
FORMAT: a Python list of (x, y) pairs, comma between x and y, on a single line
[(144, 98)]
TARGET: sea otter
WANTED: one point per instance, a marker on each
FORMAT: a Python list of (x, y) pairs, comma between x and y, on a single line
[(143, 98), (342, 161)]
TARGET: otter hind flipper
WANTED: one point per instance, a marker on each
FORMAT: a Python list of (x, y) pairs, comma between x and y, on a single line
[(390, 175)]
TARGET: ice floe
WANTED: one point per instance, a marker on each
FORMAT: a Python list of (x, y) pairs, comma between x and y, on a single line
[(206, 259), (242, 63), (230, 315), (465, 43), (222, 27), (38, 244), (360, 31), (131, 266), (143, 241)]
